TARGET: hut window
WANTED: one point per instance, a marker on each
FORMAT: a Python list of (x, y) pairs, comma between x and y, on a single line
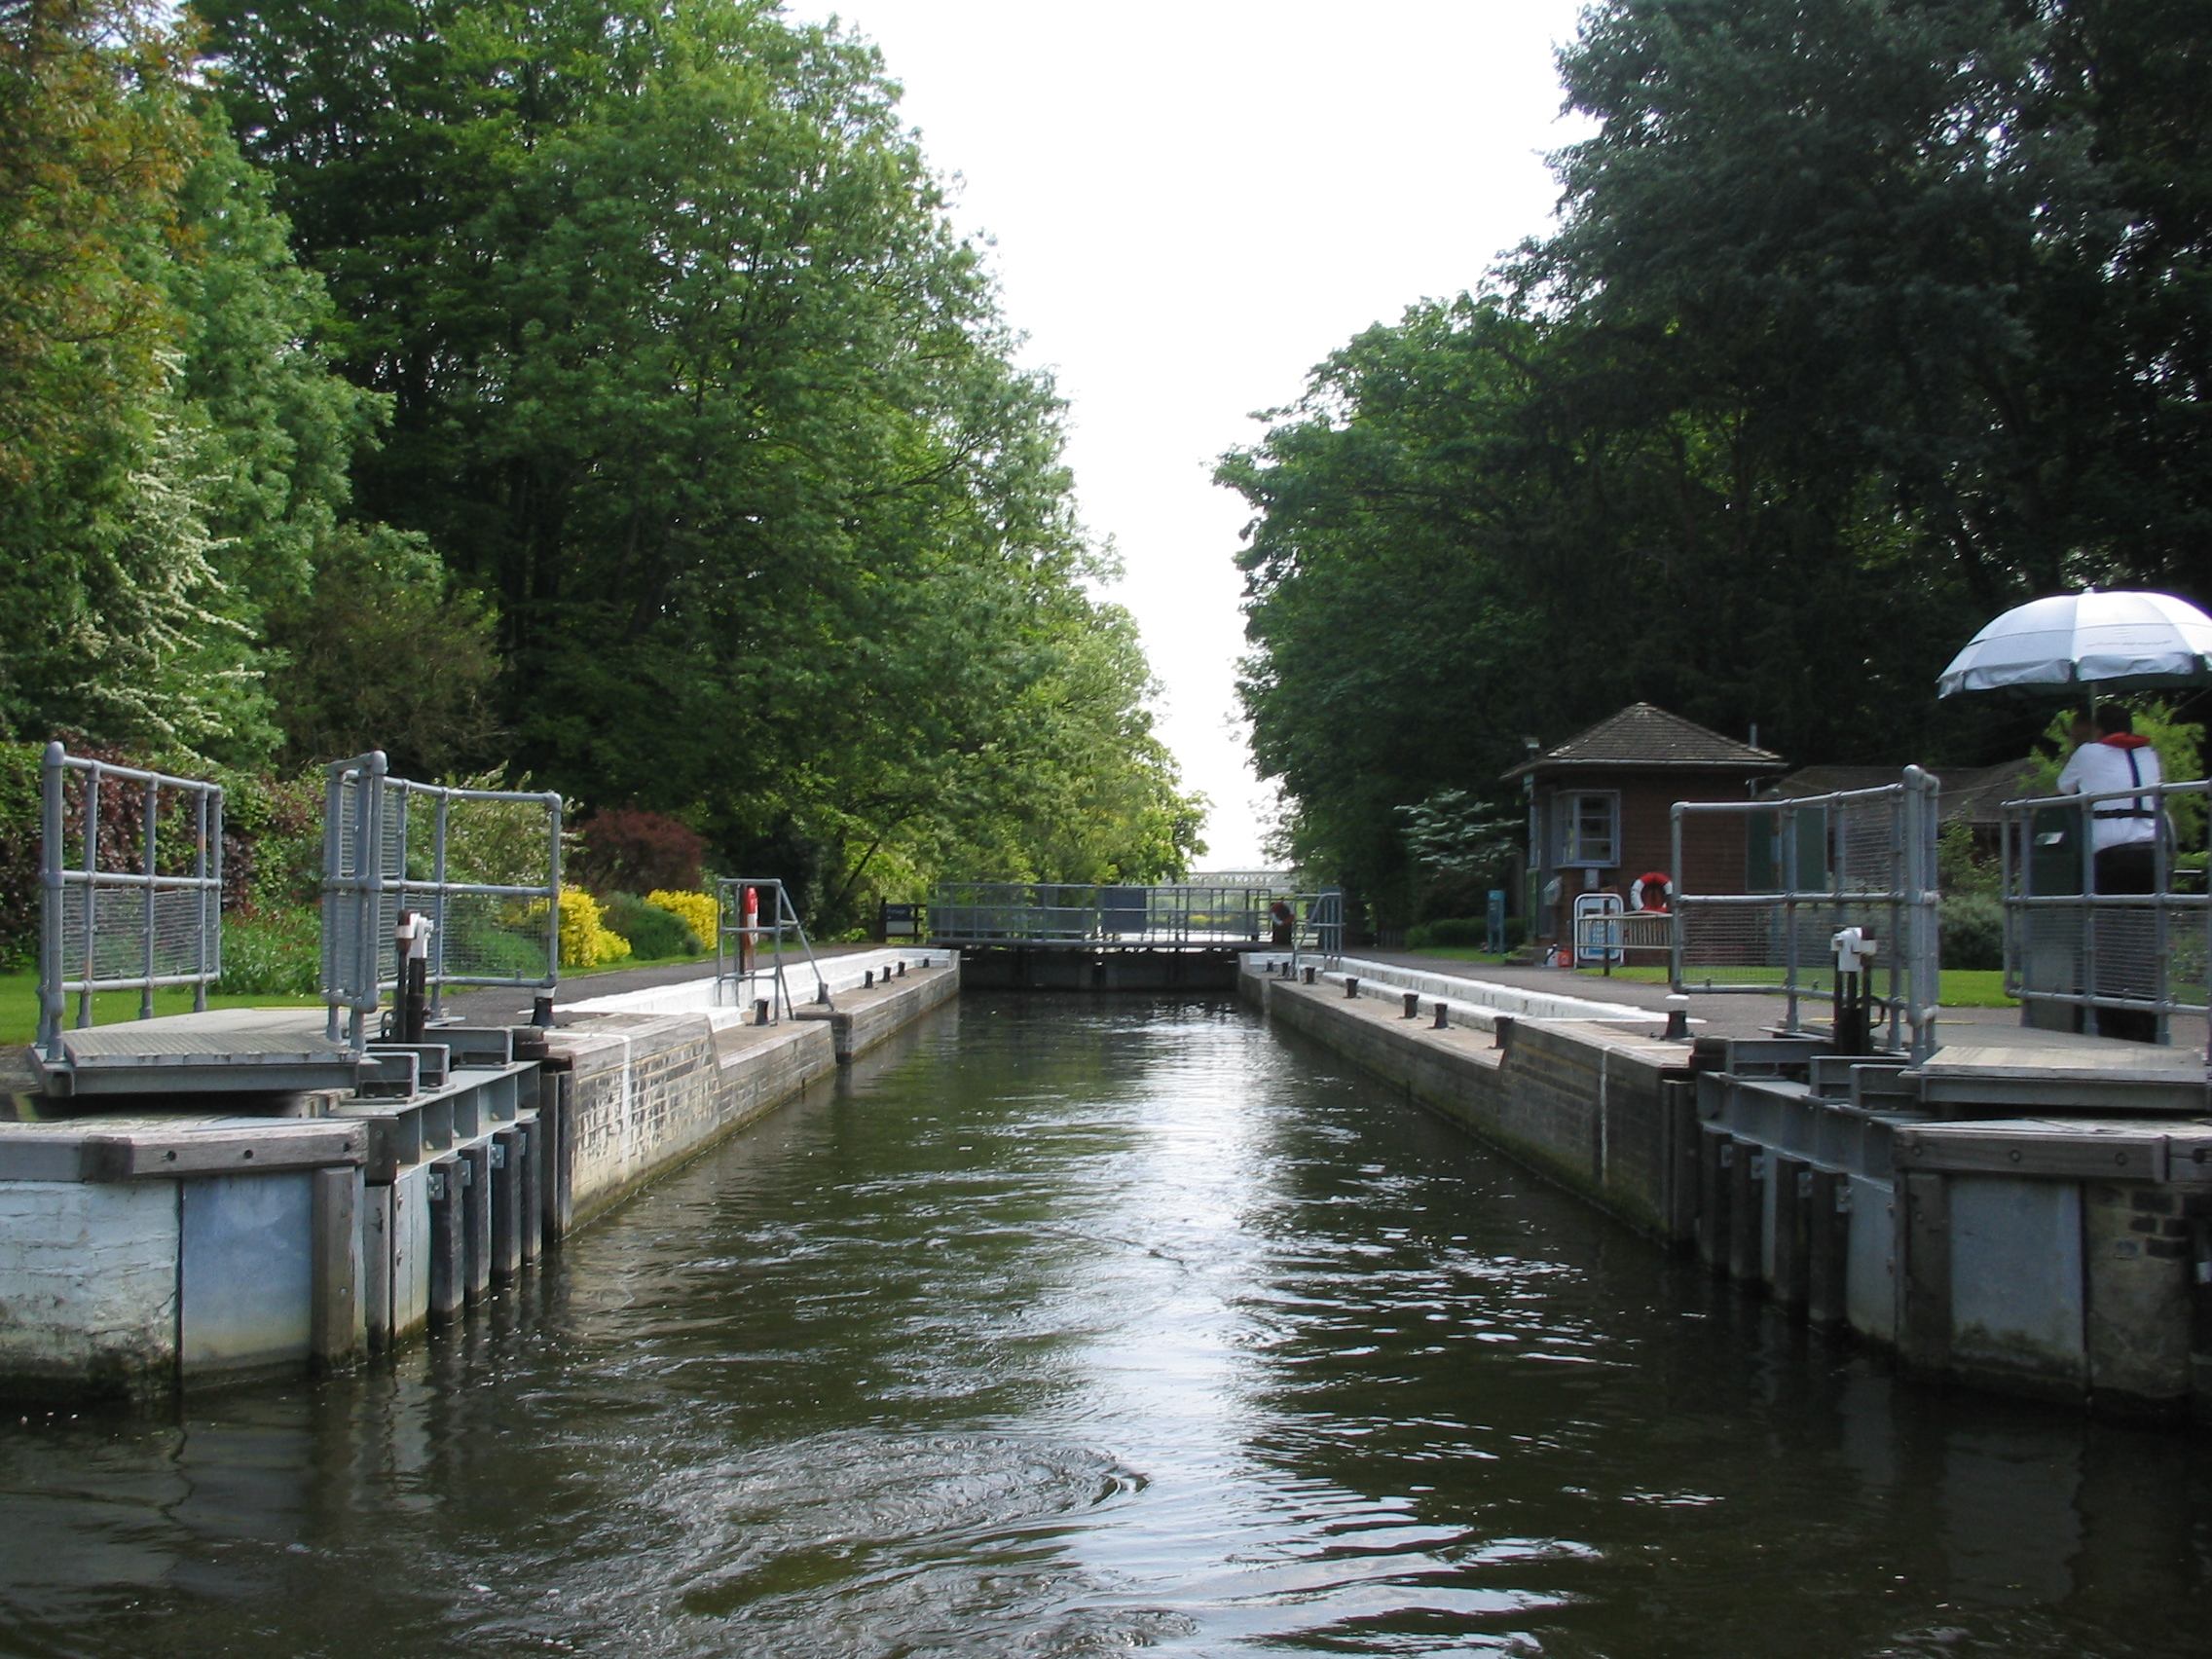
[(1590, 830)]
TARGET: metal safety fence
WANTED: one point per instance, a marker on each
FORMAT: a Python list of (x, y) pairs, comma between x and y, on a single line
[(1014, 913), (749, 951), (482, 866), (2120, 931), (130, 887), (1813, 869)]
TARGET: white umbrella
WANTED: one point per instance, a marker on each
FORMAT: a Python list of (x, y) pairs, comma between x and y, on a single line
[(2113, 642)]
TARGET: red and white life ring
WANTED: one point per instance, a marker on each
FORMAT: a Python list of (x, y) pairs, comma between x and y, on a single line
[(1651, 881)]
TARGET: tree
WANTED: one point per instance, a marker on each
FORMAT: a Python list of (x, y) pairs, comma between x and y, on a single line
[(689, 374), (1863, 319)]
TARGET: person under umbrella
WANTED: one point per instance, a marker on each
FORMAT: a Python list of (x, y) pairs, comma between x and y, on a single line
[(2123, 833)]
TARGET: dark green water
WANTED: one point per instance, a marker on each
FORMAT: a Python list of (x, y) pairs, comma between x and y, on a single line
[(1089, 1325)]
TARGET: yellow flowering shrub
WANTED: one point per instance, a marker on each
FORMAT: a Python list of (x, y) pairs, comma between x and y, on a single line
[(586, 941), (698, 910)]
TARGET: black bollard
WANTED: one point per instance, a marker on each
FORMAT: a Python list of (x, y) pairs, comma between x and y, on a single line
[(1443, 1012), (1309, 975), (1351, 986), (1677, 1019), (542, 1011), (761, 1011), (1413, 1005), (868, 981)]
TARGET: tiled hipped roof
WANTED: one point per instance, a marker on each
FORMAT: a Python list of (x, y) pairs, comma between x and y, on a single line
[(1641, 735)]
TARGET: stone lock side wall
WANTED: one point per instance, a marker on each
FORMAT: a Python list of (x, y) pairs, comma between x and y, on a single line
[(651, 1090), (1579, 1103)]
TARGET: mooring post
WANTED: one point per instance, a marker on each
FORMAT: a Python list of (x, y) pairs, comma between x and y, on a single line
[(1443, 1015), (1351, 986), (1413, 1005)]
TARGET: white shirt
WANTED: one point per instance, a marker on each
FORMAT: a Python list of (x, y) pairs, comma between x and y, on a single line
[(2099, 767)]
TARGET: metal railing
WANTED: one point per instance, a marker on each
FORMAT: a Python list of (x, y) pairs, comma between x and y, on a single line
[(1001, 912), (741, 971), (104, 926), (483, 865), (1607, 938), (2067, 942), (1814, 867)]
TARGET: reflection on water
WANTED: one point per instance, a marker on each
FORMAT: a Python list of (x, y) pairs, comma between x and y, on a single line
[(1087, 1325)]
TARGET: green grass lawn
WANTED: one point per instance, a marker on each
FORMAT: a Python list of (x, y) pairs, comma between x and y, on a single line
[(18, 998), (19, 1006), (1460, 953), (1963, 987)]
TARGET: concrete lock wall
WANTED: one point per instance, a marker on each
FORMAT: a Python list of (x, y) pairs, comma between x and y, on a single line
[(1856, 1212), (282, 1244)]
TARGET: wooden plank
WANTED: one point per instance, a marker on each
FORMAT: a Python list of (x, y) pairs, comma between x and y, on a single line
[(506, 1203), (449, 1241), (1827, 1242), (1678, 1203), (376, 1267), (1747, 1213), (2086, 1153), (1792, 1195), (1715, 1156), (1924, 1328), (336, 1329), (476, 1219), (531, 1128), (280, 1144)]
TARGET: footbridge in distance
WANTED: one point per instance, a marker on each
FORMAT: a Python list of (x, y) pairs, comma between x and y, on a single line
[(1180, 936)]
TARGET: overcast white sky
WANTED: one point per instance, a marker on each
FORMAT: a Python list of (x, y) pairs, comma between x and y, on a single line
[(1193, 203)]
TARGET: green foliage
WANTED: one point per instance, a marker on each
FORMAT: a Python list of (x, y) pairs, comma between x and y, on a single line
[(271, 952), (1970, 930), (20, 855), (692, 378), (653, 932), (383, 649), (1862, 321), (1449, 930)]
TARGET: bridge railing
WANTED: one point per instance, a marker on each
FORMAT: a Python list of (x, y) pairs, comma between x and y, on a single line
[(1074, 913)]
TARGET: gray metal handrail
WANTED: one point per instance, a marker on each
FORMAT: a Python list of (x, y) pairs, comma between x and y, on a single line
[(737, 943), (2079, 947), (1106, 913), (77, 930), (367, 880), (1875, 850)]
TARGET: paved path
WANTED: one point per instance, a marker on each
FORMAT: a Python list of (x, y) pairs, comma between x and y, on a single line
[(509, 1005)]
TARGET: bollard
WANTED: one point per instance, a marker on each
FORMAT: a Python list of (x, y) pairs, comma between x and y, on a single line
[(1309, 975), (1500, 1030), (760, 1011), (542, 1011), (1443, 1015), (868, 981), (1677, 1019), (1413, 1005), (1351, 986), (902, 969)]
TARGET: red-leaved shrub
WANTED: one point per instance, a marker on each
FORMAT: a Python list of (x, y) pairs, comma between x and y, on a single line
[(629, 851)]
